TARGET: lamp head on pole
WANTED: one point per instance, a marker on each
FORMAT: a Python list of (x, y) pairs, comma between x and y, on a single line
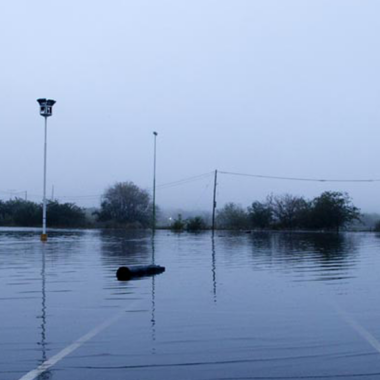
[(155, 133), (46, 106)]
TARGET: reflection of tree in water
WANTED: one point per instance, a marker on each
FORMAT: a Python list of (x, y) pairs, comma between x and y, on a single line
[(324, 247), (130, 247), (66, 245), (329, 252), (330, 255), (123, 247)]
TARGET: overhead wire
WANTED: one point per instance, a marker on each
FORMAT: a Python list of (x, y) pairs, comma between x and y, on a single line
[(80, 196), (199, 177), (11, 192), (300, 178), (184, 181), (202, 193)]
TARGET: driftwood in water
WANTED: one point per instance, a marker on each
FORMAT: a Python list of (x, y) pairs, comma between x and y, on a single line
[(126, 273)]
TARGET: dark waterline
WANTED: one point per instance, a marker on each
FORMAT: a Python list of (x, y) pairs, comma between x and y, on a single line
[(232, 306)]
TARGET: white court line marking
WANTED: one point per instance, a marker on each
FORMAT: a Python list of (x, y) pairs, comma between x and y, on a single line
[(365, 334), (72, 347)]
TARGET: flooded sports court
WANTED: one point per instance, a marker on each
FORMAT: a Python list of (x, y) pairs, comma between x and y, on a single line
[(228, 306)]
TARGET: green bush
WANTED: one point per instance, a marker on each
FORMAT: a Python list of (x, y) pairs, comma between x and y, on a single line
[(178, 224), (65, 215), (233, 217), (126, 204), (195, 224), (22, 213)]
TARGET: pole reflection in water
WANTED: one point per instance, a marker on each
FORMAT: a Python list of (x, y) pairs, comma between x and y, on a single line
[(46, 375), (213, 266), (153, 315)]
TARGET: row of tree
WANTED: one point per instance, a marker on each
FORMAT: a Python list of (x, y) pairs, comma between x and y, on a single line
[(329, 211), (126, 205), (22, 213), (123, 205)]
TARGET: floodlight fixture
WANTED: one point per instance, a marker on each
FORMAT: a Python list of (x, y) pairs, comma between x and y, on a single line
[(46, 106), (46, 110)]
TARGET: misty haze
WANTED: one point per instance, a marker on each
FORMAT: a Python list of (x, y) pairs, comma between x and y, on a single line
[(223, 156)]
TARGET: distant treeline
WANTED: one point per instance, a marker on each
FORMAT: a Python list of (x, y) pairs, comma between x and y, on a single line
[(331, 211), (21, 213), (125, 205)]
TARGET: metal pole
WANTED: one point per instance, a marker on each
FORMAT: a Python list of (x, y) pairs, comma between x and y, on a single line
[(44, 235), (154, 184), (214, 201)]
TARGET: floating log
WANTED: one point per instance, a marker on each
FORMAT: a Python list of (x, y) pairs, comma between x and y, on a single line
[(127, 273)]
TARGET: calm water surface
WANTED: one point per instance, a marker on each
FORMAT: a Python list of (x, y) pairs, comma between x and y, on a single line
[(232, 306)]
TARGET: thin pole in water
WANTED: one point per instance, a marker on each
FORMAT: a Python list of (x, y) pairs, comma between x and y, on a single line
[(214, 201), (154, 184)]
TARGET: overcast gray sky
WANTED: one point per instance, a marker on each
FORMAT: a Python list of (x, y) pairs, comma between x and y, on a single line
[(275, 87)]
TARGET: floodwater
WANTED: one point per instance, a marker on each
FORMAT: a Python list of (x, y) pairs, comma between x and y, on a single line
[(232, 306)]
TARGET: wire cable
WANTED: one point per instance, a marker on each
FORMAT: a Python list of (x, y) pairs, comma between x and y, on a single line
[(202, 194), (199, 177), (300, 178), (184, 181)]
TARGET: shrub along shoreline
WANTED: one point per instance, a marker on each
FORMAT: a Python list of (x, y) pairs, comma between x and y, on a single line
[(125, 205), (331, 211), (21, 213)]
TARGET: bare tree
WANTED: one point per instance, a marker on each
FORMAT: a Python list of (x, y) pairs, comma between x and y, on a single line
[(289, 211)]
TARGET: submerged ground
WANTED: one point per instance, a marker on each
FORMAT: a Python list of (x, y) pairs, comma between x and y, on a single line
[(232, 306)]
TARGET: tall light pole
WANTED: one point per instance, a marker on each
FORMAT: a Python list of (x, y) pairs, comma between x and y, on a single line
[(46, 110), (154, 183)]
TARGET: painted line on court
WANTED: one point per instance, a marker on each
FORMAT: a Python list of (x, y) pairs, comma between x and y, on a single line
[(365, 334), (74, 346)]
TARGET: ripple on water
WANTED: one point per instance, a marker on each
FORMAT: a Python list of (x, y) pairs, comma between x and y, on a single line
[(227, 306)]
